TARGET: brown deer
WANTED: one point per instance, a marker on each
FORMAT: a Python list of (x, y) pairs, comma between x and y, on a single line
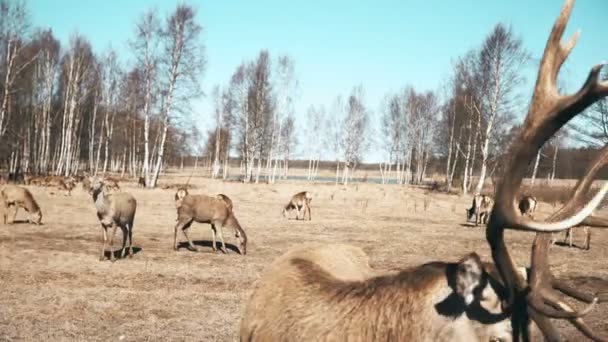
[(301, 203), (480, 208), (304, 298), (205, 209), (114, 210)]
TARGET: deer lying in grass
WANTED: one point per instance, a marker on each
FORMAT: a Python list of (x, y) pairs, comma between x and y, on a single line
[(315, 299), (480, 208), (114, 210), (527, 205), (205, 209), (329, 292), (19, 197), (301, 203)]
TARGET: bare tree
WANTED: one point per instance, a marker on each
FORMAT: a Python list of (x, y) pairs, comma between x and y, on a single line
[(316, 116), (183, 62), (501, 59), (285, 89), (14, 25), (355, 125), (145, 50)]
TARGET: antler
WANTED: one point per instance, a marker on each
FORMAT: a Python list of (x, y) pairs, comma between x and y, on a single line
[(549, 111)]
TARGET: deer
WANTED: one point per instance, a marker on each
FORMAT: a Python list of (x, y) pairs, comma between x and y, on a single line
[(480, 208), (19, 197), (114, 210), (326, 292), (527, 205), (141, 182), (300, 201), (302, 298), (205, 209)]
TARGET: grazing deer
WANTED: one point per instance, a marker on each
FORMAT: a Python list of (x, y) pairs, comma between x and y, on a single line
[(205, 209), (481, 208), (527, 205), (316, 299), (301, 203), (19, 197)]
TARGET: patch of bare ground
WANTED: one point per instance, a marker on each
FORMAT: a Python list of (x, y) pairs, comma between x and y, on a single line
[(54, 288)]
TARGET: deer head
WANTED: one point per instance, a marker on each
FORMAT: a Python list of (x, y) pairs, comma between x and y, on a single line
[(538, 299)]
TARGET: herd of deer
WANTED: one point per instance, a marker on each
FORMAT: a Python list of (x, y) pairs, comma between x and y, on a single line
[(328, 292)]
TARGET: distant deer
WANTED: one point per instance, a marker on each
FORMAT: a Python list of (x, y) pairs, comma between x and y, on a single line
[(480, 209), (527, 205), (301, 203)]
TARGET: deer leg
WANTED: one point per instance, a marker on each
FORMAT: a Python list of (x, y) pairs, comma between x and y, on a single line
[(213, 232), (131, 240), (588, 238), (104, 238), (125, 232), (183, 224), (114, 226), (221, 235), (190, 243), (15, 213), (309, 216)]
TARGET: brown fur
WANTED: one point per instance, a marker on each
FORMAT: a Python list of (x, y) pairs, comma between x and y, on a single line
[(20, 197), (114, 210), (300, 201), (480, 208), (329, 293), (226, 200), (204, 209)]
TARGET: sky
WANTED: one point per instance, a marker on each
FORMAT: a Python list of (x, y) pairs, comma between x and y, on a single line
[(336, 45)]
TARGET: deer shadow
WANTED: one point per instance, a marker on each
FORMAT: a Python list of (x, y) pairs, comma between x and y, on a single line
[(22, 221), (107, 254), (207, 244), (566, 244), (472, 225)]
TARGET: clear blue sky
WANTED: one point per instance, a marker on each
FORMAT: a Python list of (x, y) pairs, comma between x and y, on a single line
[(383, 45)]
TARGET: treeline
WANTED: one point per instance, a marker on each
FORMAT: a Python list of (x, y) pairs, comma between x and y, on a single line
[(67, 109)]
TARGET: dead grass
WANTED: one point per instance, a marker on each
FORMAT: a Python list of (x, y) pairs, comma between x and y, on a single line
[(55, 289)]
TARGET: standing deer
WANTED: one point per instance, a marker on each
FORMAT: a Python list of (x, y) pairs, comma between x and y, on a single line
[(480, 208), (332, 296), (301, 203), (114, 210)]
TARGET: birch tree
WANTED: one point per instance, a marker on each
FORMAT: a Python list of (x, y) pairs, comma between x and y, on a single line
[(355, 126), (183, 63), (14, 26), (501, 59), (145, 48)]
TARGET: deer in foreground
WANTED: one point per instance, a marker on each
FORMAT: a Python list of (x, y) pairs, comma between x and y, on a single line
[(114, 210), (329, 292), (19, 197), (301, 203), (480, 209), (308, 298), (205, 209)]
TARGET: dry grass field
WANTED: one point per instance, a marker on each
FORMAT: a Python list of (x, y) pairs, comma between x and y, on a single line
[(54, 288)]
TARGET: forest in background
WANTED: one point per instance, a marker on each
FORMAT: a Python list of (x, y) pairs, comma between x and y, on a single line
[(66, 110)]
